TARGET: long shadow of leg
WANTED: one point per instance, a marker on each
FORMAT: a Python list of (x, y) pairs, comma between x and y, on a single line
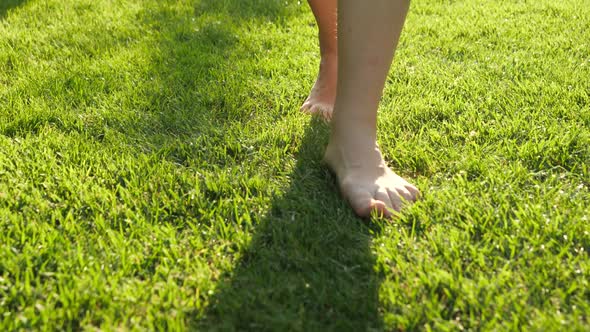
[(6, 5), (309, 265)]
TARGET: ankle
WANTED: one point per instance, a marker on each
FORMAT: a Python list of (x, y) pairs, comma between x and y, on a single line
[(352, 146), (349, 126)]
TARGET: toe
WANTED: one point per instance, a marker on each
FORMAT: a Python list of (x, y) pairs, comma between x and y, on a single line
[(361, 201), (396, 201), (405, 194), (383, 196), (381, 208), (322, 110), (305, 108), (414, 192), (326, 112)]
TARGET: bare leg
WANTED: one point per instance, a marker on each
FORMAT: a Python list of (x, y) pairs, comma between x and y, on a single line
[(368, 32), (322, 95)]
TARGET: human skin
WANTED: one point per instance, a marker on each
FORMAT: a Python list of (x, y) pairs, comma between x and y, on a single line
[(368, 33), (323, 93)]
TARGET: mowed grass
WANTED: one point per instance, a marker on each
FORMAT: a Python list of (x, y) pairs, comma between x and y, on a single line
[(155, 172)]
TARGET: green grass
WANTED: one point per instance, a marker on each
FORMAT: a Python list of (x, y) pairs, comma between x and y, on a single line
[(155, 172)]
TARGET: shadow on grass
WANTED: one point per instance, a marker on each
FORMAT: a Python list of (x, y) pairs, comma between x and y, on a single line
[(6, 5), (309, 266)]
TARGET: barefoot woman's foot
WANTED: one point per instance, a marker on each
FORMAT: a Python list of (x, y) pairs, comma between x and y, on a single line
[(366, 182), (368, 32), (323, 93)]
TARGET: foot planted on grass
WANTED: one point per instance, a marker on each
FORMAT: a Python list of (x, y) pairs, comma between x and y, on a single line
[(366, 182)]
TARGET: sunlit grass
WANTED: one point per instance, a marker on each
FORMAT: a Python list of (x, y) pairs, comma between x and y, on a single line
[(155, 172)]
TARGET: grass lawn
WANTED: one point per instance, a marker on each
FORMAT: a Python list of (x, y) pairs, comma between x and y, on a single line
[(155, 172)]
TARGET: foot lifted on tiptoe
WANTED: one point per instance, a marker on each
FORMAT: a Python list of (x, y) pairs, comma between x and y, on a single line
[(323, 93)]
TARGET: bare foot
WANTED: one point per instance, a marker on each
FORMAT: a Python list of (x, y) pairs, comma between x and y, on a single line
[(366, 182), (323, 93)]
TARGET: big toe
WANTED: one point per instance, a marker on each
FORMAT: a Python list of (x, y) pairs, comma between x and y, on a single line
[(363, 203), (306, 106)]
